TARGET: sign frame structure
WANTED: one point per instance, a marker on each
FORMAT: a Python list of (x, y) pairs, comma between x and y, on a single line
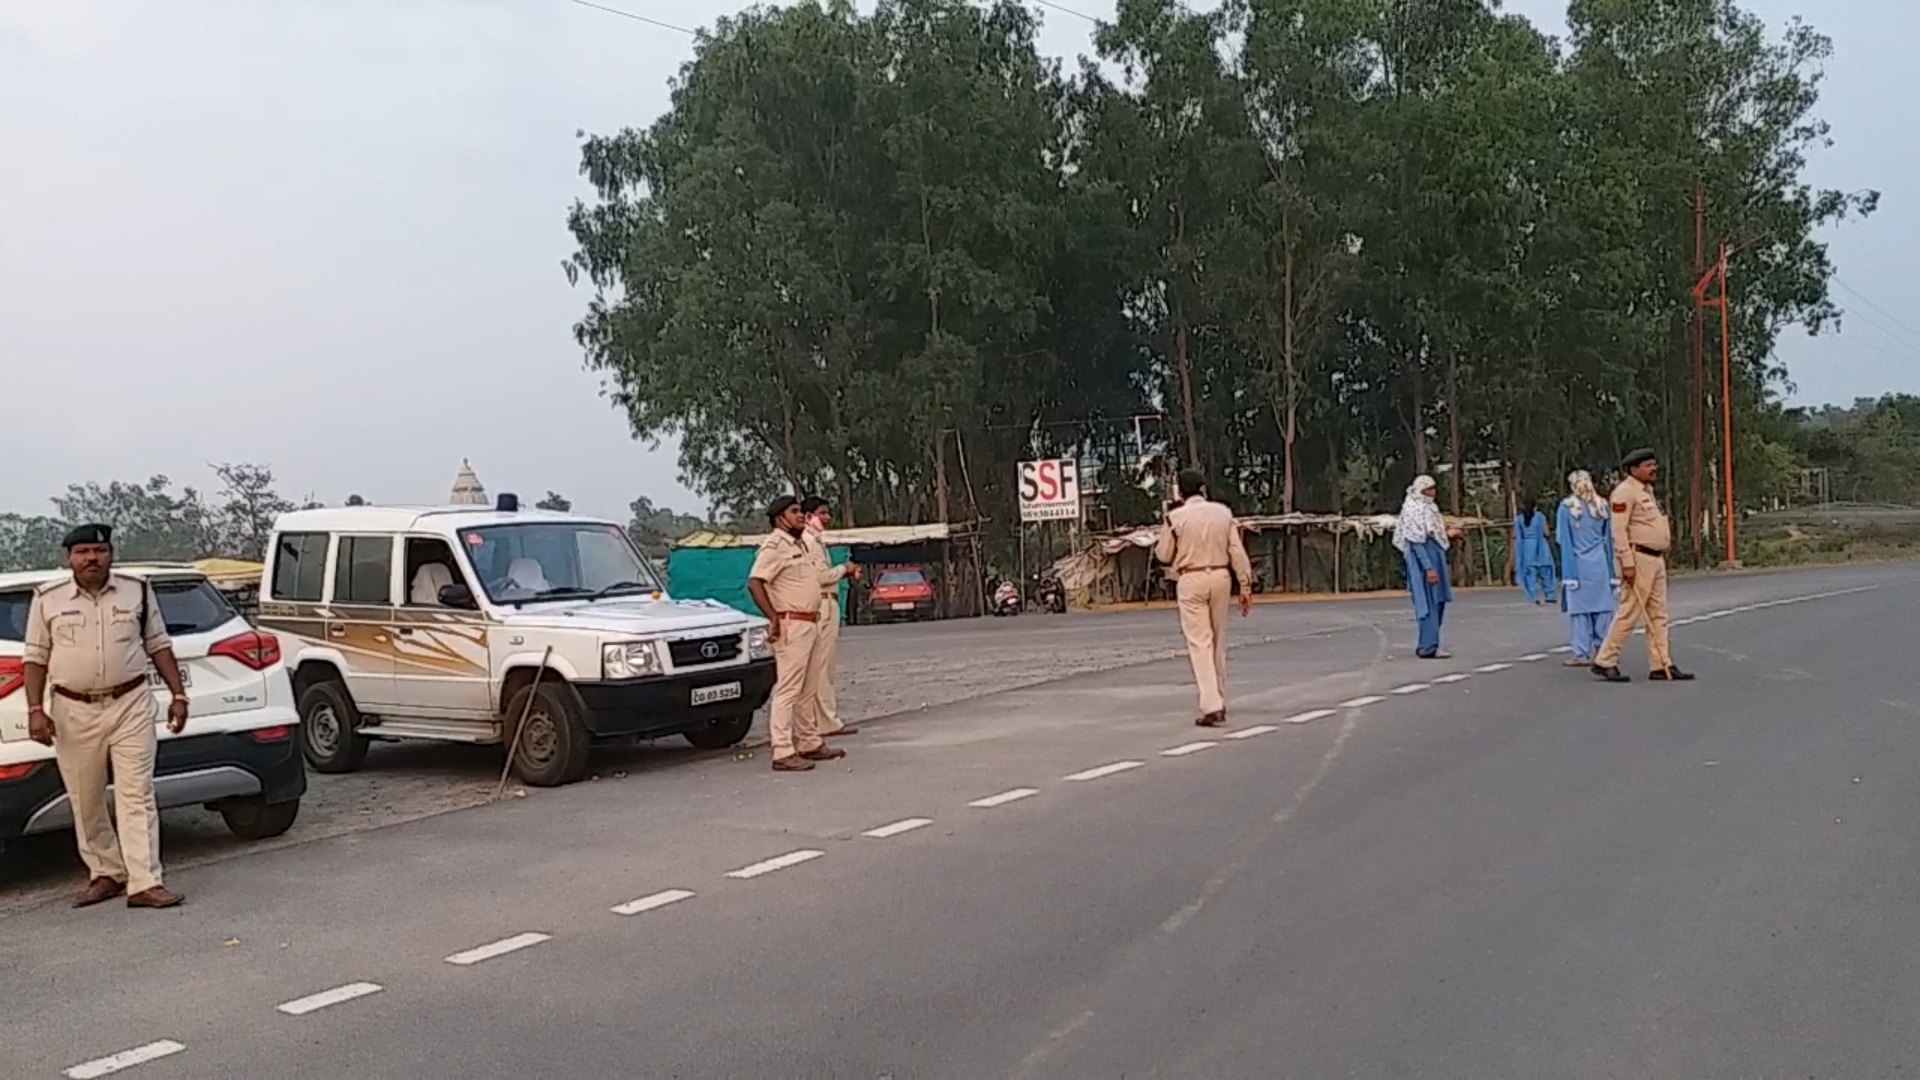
[(1049, 489)]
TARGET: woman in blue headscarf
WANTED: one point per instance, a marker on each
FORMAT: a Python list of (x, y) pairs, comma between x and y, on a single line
[(1584, 527), (1532, 556), (1420, 534)]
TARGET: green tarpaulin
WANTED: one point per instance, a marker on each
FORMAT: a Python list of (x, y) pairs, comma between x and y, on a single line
[(720, 573)]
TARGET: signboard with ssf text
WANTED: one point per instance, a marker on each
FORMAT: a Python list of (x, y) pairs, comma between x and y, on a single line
[(1050, 490)]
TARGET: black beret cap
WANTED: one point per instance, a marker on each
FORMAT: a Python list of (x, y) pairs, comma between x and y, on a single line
[(1638, 457), (780, 506), (88, 534)]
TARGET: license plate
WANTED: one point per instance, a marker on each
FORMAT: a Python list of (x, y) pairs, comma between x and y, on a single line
[(186, 679), (903, 607), (707, 695)]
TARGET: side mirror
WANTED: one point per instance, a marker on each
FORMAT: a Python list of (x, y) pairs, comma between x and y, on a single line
[(457, 596)]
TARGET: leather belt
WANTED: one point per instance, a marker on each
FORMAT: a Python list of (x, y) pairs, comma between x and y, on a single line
[(1203, 569), (829, 596), (801, 616), (1644, 550), (96, 697)]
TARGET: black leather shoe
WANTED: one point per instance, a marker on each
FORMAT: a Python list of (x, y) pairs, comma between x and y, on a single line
[(1672, 674), (1611, 674)]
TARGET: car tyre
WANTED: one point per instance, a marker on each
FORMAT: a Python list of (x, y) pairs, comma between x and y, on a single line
[(721, 732), (258, 819), (329, 729), (555, 747)]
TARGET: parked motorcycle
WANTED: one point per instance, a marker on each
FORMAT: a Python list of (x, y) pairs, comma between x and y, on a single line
[(1006, 599), (1052, 597)]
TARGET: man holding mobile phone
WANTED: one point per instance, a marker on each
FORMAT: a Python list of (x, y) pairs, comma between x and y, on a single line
[(90, 640)]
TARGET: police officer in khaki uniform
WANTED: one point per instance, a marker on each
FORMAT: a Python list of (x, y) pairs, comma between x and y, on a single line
[(1200, 545), (1641, 537), (785, 586), (826, 715), (90, 640)]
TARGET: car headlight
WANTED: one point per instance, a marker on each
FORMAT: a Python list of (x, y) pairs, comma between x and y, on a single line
[(757, 646), (629, 660)]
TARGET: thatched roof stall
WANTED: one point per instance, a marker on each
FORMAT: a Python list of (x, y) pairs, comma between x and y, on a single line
[(1298, 552)]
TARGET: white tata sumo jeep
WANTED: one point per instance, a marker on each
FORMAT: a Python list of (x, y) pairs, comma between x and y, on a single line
[(430, 623)]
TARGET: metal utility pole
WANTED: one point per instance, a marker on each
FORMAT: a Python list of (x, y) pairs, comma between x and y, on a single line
[(1694, 500), (1701, 301)]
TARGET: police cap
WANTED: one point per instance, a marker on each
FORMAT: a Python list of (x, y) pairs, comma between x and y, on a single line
[(780, 506), (88, 534), (1638, 457)]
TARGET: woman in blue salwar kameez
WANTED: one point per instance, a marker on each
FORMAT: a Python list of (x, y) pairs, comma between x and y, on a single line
[(1421, 536), (1532, 555), (1587, 583)]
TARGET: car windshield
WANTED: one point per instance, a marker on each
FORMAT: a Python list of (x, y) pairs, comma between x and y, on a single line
[(556, 561), (189, 605), (902, 577)]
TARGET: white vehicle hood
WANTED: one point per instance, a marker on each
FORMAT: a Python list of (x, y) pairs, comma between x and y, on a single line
[(629, 616)]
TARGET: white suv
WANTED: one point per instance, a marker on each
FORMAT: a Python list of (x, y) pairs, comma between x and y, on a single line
[(237, 754), (434, 623)]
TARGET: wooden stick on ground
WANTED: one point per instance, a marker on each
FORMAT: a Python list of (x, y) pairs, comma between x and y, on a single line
[(520, 728)]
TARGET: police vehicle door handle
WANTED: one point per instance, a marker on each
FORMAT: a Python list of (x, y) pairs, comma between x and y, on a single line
[(405, 631), (336, 630)]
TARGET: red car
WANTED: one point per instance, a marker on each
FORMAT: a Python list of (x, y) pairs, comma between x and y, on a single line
[(900, 593)]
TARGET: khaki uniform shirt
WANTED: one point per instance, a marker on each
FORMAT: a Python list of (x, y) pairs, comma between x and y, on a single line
[(830, 575), (1201, 535), (91, 643), (791, 571), (1638, 521)]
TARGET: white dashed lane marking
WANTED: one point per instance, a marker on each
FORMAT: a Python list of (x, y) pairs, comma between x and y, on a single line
[(316, 1002), (498, 948), (1534, 656), (1248, 733), (1361, 702), (1104, 770), (1458, 676), (1189, 748), (1488, 669), (1005, 797), (1563, 649), (778, 862), (1410, 688), (125, 1059), (656, 900), (1308, 717), (898, 827)]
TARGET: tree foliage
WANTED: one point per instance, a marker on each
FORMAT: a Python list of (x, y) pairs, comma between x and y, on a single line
[(1330, 243), (153, 521)]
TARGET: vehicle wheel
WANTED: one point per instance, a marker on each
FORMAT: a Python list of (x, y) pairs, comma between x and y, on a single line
[(554, 748), (257, 819), (722, 732), (329, 723)]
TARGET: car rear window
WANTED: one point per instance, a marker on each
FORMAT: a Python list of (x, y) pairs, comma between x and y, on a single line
[(13, 614), (902, 577), (190, 606)]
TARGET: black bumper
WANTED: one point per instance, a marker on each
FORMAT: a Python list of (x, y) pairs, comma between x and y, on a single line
[(663, 705), (182, 767)]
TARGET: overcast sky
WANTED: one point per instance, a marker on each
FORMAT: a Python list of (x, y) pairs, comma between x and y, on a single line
[(326, 235)]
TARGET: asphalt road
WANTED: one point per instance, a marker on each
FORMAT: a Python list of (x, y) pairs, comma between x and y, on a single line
[(1504, 870)]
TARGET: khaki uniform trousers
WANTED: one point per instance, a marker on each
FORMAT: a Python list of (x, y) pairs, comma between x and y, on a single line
[(826, 653), (1204, 596), (790, 720), (1643, 600), (87, 739)]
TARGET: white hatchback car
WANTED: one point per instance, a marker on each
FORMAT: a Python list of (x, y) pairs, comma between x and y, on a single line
[(237, 756)]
